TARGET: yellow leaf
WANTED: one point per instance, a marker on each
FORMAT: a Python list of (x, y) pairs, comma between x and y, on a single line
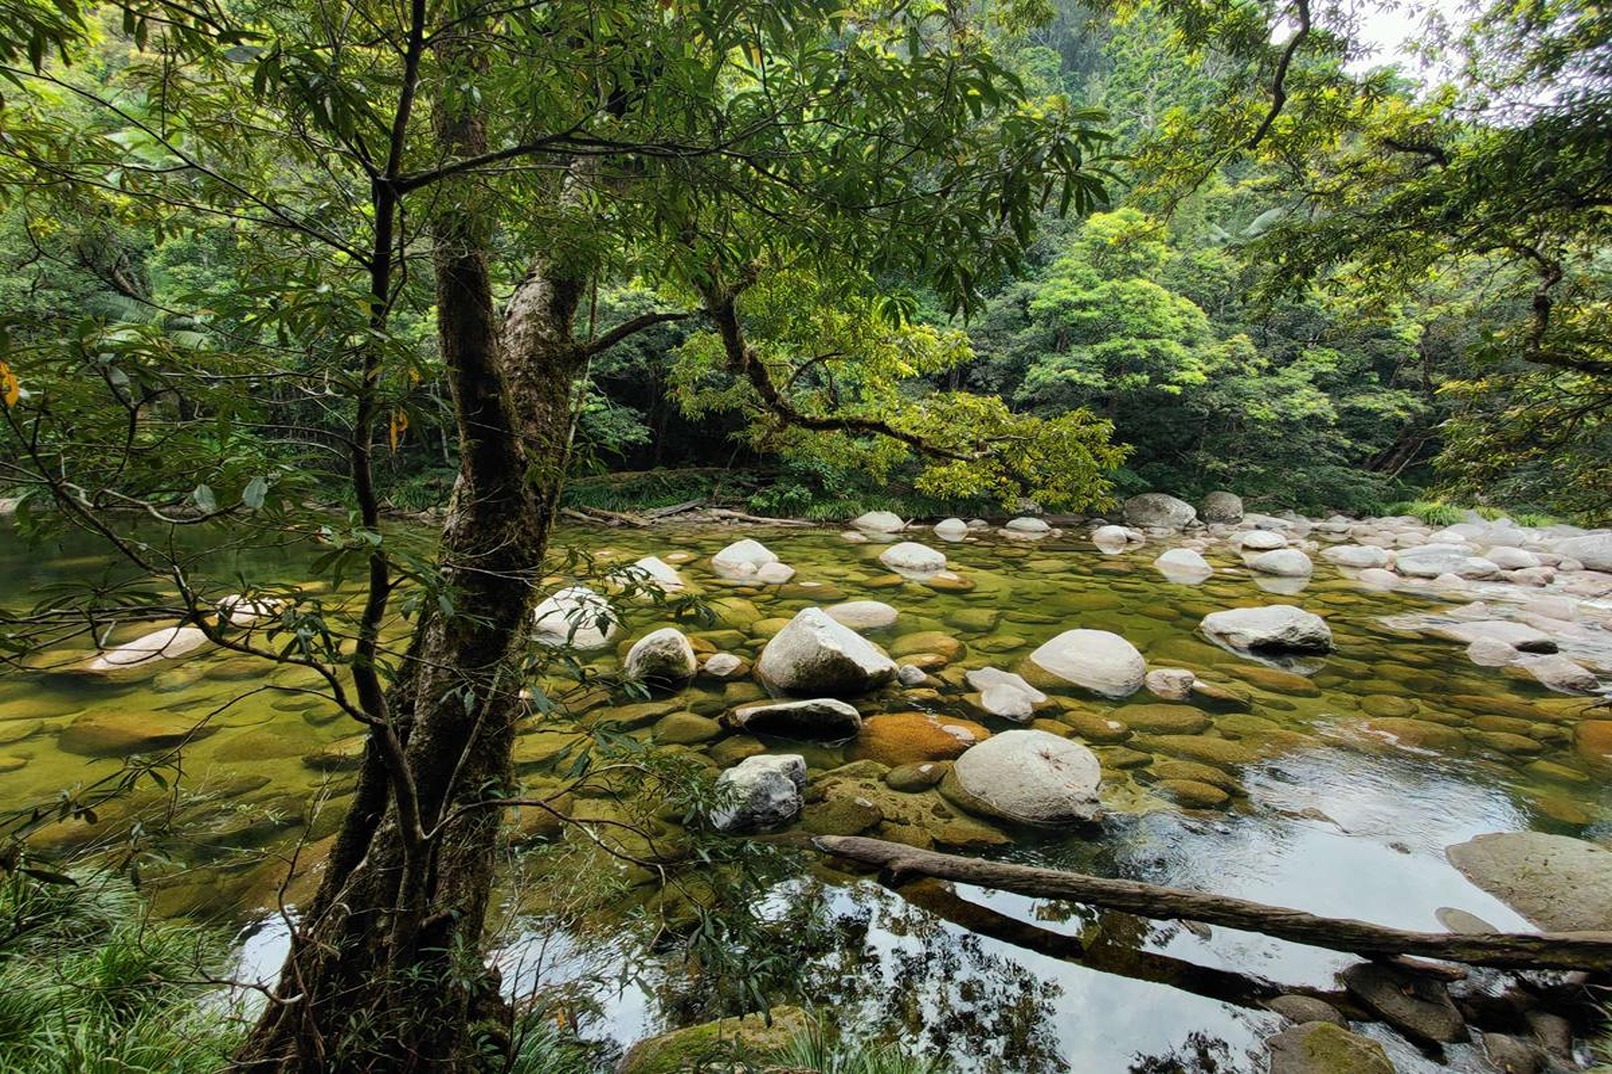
[(399, 426), (9, 388)]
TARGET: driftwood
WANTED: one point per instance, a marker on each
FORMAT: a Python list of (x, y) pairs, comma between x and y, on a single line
[(599, 514), (740, 516), (655, 514), (1561, 950)]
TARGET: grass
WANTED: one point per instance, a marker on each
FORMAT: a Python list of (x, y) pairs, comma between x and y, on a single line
[(817, 1051), (87, 985), (1431, 512)]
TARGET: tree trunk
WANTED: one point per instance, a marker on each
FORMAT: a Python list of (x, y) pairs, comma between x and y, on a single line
[(386, 971), (1510, 950)]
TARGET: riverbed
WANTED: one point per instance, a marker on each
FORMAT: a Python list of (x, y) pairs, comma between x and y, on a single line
[(1336, 804)]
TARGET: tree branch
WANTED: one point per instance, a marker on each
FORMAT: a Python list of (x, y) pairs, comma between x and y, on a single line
[(1279, 79)]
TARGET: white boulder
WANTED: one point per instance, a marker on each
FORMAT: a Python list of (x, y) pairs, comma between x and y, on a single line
[(1026, 777), (1274, 628), (1283, 563), (1098, 660), (742, 559), (1156, 509), (816, 655), (574, 616), (760, 793), (879, 522), (862, 614), (169, 643), (661, 656), (1357, 556), (912, 557)]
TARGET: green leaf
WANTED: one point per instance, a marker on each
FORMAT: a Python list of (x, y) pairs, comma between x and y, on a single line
[(203, 495)]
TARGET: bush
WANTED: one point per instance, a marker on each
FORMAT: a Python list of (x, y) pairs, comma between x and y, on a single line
[(816, 1050), (1431, 512)]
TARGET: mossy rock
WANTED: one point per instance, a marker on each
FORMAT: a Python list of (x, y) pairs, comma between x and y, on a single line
[(720, 640), (1241, 725), (914, 737), (1120, 757), (1094, 727), (17, 730), (1417, 734), (1220, 752), (1170, 768), (841, 816), (1510, 725), (686, 729), (535, 749), (915, 778), (117, 732), (1323, 1048), (342, 755), (929, 641), (1218, 698), (1506, 742), (1388, 705), (975, 620), (718, 1045), (630, 717), (1163, 719), (735, 748), (1275, 680), (1559, 772), (1190, 794)]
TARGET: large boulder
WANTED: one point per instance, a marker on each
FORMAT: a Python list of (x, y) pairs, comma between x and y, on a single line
[(1027, 777), (1324, 1048), (951, 529), (1283, 563), (1222, 507), (1115, 538), (1098, 660), (574, 616), (879, 522), (152, 650), (1559, 883), (1593, 550), (761, 792), (1158, 510), (1028, 524), (1275, 628), (663, 656), (913, 558), (742, 559), (815, 655), (823, 718)]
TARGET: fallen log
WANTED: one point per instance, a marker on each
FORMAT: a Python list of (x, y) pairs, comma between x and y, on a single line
[(599, 514), (1511, 950), (655, 514), (740, 516)]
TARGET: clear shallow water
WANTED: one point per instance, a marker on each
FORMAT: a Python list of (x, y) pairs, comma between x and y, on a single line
[(1336, 819)]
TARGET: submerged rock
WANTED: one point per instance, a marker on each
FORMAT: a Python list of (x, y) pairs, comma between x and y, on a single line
[(663, 656), (816, 655), (1324, 1048), (1098, 660), (824, 718), (151, 650), (1027, 777), (1260, 541), (763, 792), (118, 732), (1275, 628), (1170, 684), (1115, 538), (1559, 883)]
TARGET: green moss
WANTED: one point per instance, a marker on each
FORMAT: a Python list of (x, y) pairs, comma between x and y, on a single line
[(722, 1045)]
